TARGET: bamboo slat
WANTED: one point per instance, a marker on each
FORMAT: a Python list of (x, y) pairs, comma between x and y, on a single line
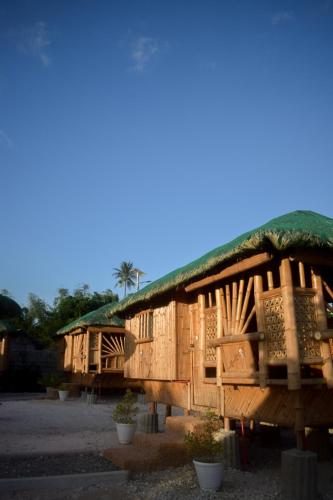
[(327, 288), (234, 306), (253, 310), (246, 303), (227, 294), (239, 304)]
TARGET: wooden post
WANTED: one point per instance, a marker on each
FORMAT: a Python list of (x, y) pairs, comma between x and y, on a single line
[(86, 361), (287, 292), (152, 407), (301, 275), (322, 326), (100, 338), (263, 368), (202, 329), (299, 420), (219, 334), (168, 412)]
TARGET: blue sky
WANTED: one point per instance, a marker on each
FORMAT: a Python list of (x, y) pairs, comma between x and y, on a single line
[(155, 131)]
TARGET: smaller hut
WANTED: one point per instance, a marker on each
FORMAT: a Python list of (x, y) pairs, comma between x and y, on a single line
[(92, 349)]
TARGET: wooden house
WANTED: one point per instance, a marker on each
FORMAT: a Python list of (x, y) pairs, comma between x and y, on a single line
[(92, 349), (246, 329)]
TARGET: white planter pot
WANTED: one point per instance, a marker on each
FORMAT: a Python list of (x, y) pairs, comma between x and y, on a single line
[(63, 395), (210, 476), (125, 433)]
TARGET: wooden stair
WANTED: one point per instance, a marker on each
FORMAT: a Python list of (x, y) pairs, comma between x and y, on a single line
[(155, 451)]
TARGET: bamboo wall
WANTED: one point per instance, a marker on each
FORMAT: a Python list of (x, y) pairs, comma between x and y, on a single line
[(155, 357)]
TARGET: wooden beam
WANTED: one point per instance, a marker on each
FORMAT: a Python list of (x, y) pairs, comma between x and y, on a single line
[(231, 339), (239, 267)]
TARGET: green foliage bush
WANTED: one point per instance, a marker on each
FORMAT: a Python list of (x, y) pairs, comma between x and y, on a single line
[(126, 409), (202, 445)]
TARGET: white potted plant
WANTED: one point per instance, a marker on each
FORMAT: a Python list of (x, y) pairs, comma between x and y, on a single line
[(63, 392), (123, 416), (206, 452)]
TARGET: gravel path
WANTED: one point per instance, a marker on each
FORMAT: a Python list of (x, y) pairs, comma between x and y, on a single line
[(33, 429)]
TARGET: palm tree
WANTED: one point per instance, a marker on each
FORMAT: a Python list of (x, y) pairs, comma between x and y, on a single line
[(125, 275)]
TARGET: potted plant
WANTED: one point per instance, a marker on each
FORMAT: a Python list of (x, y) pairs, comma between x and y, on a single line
[(123, 416), (51, 382), (63, 392), (206, 452)]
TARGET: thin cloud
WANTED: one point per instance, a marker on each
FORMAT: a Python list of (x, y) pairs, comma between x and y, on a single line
[(283, 17), (144, 50), (4, 139), (34, 41)]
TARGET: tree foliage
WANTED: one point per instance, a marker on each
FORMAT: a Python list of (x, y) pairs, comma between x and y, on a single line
[(125, 275), (41, 321)]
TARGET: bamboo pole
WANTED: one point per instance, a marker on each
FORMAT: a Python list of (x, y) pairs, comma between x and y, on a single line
[(224, 313), (234, 306), (239, 305), (270, 280), (325, 350), (201, 343), (219, 335), (293, 358), (246, 303), (100, 338), (301, 275), (327, 288), (253, 310), (231, 339), (227, 294), (263, 366)]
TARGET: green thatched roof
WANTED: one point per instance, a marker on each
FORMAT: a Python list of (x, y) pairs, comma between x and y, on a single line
[(94, 318), (8, 308), (300, 229)]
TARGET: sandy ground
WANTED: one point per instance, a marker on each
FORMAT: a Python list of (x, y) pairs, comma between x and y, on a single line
[(31, 424)]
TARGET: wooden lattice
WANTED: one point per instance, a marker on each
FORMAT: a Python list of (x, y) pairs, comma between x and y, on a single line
[(275, 329), (306, 326), (211, 333)]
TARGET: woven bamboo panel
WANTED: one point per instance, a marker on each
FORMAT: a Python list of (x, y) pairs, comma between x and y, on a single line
[(306, 326), (210, 333), (274, 327)]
